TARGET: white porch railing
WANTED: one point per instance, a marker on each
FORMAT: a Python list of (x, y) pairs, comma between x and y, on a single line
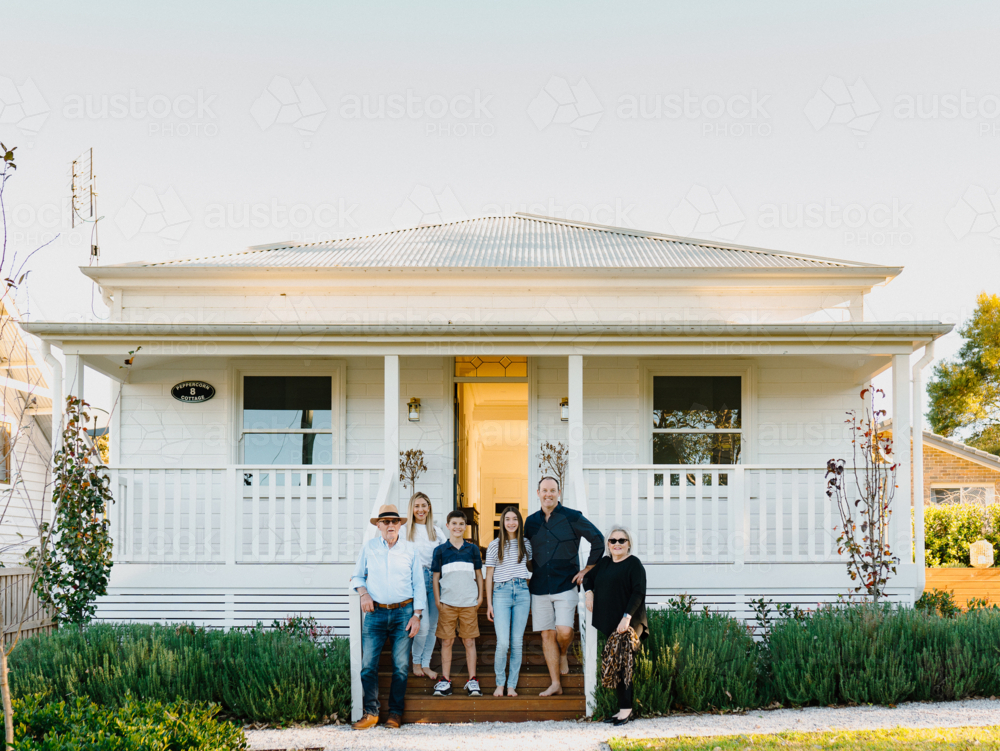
[(241, 513), (718, 513)]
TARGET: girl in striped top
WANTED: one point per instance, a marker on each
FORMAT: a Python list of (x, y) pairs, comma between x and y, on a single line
[(508, 601)]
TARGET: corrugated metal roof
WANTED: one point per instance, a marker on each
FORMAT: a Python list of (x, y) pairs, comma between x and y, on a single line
[(518, 241)]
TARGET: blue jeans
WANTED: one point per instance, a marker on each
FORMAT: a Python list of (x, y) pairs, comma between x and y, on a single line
[(423, 642), (511, 605), (380, 626)]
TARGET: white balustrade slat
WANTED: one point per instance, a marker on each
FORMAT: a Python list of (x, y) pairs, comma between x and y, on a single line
[(667, 497), (699, 507), (286, 528), (320, 495), (716, 511), (761, 485), (796, 549), (602, 500), (255, 515), (161, 504), (650, 515), (811, 506), (682, 527), (193, 515), (827, 523), (619, 499), (779, 517), (146, 515), (633, 521), (304, 477)]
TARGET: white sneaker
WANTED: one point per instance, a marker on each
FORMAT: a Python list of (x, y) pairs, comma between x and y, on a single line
[(443, 688), (472, 687)]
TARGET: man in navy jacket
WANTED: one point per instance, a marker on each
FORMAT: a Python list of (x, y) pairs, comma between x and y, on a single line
[(555, 533)]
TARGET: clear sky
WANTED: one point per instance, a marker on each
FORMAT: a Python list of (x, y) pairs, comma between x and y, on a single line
[(855, 130)]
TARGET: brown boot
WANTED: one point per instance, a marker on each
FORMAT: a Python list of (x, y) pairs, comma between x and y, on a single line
[(394, 721), (367, 721)]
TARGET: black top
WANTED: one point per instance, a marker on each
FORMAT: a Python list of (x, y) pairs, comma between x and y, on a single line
[(555, 548), (619, 588)]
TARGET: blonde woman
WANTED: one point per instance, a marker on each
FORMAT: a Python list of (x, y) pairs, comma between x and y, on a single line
[(616, 595), (422, 532)]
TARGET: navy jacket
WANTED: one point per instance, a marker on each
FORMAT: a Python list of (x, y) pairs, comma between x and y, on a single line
[(555, 547)]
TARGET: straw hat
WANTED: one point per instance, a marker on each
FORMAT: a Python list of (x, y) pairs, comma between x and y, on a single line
[(387, 512)]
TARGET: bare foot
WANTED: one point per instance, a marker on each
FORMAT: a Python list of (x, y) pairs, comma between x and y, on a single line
[(563, 665), (499, 691), (552, 690), (430, 674), (417, 670), (511, 692)]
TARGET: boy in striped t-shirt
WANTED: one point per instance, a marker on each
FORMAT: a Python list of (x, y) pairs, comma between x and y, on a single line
[(458, 590)]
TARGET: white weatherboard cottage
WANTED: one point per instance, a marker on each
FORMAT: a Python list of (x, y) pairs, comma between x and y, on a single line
[(700, 388)]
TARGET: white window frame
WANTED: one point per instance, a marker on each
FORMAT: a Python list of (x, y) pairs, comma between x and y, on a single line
[(961, 486), (336, 370), (747, 371)]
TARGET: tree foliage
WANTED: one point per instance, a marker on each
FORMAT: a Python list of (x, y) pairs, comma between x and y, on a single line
[(74, 557), (965, 394), (864, 521)]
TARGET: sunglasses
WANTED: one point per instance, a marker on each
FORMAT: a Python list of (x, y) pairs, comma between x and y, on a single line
[(617, 540)]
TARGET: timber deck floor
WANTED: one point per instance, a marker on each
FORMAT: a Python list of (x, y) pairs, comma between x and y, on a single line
[(423, 706)]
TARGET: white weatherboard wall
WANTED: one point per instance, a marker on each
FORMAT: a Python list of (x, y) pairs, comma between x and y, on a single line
[(23, 505)]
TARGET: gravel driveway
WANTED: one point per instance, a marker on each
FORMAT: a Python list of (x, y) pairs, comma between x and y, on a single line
[(585, 736)]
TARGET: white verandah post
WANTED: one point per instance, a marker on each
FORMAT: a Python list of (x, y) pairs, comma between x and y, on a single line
[(387, 491), (577, 487), (900, 536)]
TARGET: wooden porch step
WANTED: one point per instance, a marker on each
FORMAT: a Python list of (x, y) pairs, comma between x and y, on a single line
[(526, 684), (490, 708)]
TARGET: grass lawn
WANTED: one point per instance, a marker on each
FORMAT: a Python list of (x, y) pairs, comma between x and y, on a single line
[(899, 739)]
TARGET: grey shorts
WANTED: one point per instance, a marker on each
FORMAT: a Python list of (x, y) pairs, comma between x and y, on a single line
[(549, 611)]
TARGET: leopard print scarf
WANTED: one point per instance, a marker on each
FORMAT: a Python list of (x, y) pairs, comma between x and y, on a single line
[(618, 659)]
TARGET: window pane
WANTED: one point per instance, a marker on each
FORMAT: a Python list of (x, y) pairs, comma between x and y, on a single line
[(697, 402), (267, 449), (976, 495), (946, 495), (287, 402), (696, 448)]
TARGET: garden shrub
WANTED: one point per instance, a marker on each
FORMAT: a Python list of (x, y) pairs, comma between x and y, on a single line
[(950, 529), (696, 661), (254, 674), (939, 601), (44, 725)]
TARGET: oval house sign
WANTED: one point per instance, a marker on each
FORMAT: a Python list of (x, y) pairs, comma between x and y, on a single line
[(193, 391)]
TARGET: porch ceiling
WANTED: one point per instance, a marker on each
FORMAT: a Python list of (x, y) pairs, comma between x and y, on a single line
[(298, 339)]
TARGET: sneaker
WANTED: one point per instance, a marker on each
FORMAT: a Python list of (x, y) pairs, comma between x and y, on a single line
[(443, 688), (472, 687)]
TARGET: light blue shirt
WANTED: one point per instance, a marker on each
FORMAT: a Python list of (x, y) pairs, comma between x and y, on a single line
[(391, 575)]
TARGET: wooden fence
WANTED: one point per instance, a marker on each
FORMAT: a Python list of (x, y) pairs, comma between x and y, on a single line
[(16, 598), (966, 584)]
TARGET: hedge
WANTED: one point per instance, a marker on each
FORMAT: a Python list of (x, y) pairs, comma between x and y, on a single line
[(44, 725), (257, 675), (950, 529), (838, 654)]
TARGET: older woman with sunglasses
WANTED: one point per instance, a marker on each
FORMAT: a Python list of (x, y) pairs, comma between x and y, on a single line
[(616, 595)]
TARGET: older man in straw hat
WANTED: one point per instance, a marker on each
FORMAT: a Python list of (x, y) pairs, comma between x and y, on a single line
[(390, 580)]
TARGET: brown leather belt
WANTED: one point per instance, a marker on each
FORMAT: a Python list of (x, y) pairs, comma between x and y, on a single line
[(394, 606)]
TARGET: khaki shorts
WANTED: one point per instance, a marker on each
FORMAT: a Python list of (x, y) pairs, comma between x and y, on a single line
[(466, 620), (549, 611)]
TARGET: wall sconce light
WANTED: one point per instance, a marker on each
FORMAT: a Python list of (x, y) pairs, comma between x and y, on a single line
[(413, 411), (564, 409)]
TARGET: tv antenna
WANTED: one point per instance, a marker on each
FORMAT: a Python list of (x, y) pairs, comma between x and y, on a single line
[(83, 201)]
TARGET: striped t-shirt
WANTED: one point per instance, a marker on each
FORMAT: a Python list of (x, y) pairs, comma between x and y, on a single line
[(458, 567), (510, 568)]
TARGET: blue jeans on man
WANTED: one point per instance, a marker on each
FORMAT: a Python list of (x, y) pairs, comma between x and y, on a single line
[(380, 626), (511, 605)]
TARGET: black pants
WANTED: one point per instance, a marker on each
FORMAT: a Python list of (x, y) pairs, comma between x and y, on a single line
[(624, 695)]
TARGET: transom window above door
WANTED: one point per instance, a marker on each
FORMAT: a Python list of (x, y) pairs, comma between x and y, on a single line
[(697, 419), (287, 420), (491, 366)]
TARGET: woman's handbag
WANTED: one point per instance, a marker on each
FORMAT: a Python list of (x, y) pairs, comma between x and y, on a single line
[(618, 659)]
